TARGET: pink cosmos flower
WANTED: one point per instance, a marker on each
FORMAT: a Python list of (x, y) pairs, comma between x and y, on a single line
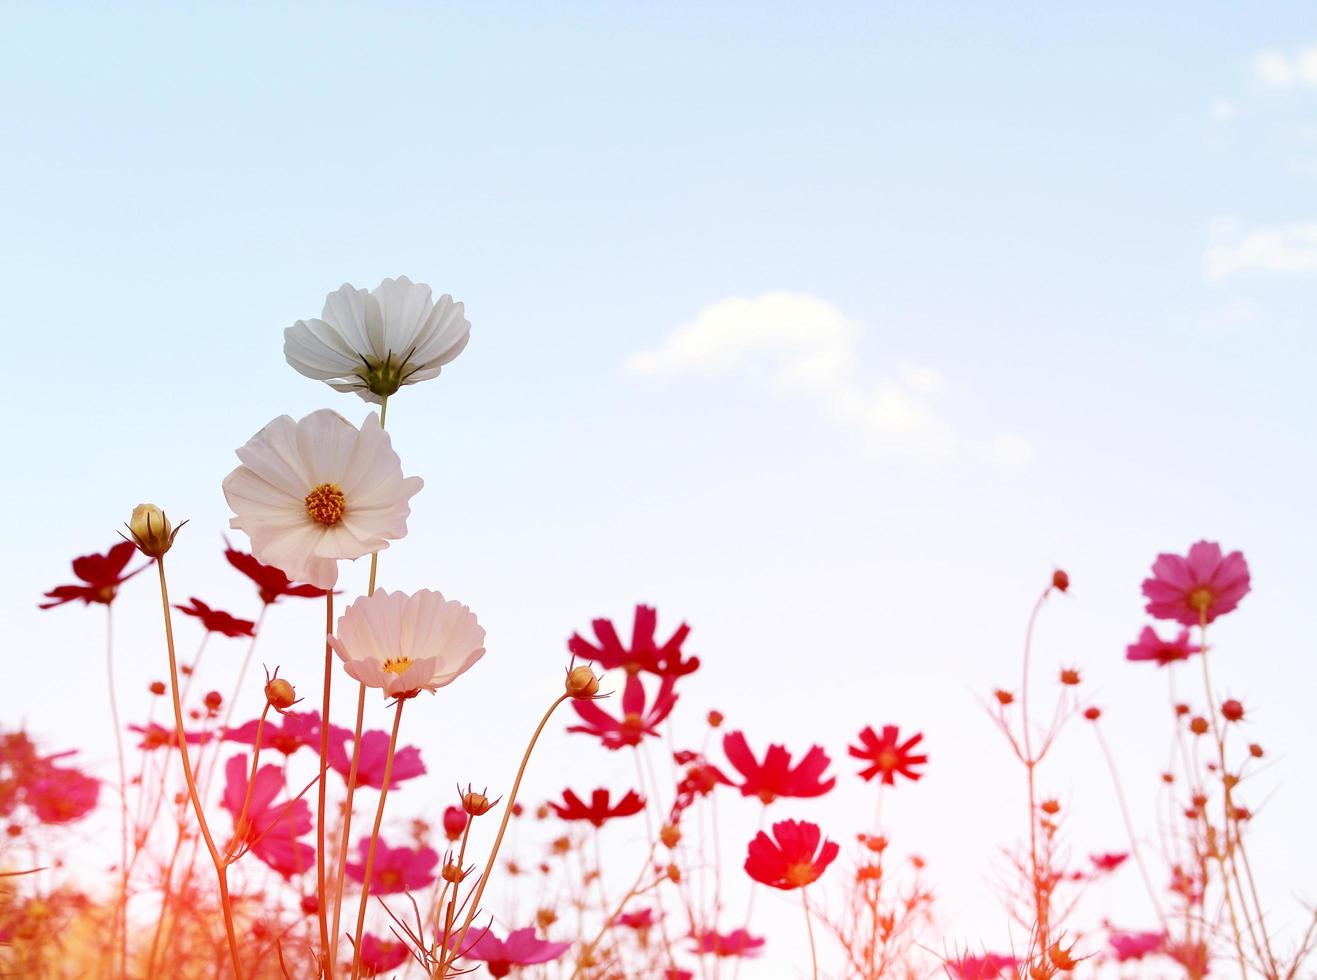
[(1135, 945), (62, 795), (521, 948), (288, 732), (1198, 587), (636, 722), (775, 776), (643, 654), (269, 832), (381, 955), (397, 869), (1152, 647), (1107, 862), (216, 620), (985, 967), (371, 760), (735, 943), (888, 755), (639, 920), (159, 737)]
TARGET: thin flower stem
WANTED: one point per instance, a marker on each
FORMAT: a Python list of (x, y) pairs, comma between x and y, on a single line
[(374, 840), (121, 910), (1129, 826), (452, 952), (809, 929), (321, 909), (1031, 763), (240, 825), (587, 951), (347, 826), (220, 871)]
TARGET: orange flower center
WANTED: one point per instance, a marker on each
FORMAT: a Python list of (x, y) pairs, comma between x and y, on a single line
[(1200, 598), (396, 667), (325, 504), (887, 760), (631, 721), (800, 875)]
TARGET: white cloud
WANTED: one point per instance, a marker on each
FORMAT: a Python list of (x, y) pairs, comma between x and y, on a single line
[(804, 347), (1275, 69), (1284, 248), (1009, 449)]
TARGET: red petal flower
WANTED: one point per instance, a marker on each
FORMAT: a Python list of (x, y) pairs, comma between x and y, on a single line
[(271, 829), (775, 777), (643, 654), (271, 582), (735, 943), (1152, 647), (217, 621), (396, 869), (381, 955), (1135, 945), (521, 948), (1197, 587), (888, 754), (637, 720), (599, 810), (102, 575), (986, 967), (792, 857)]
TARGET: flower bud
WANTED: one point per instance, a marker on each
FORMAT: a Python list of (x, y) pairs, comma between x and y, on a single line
[(582, 683), (670, 835), (1255, 750), (151, 530), (213, 701), (452, 873), (455, 821), (1050, 807), (1003, 697), (1198, 725), (1069, 676), (545, 918), (280, 694), (1232, 710), (674, 873), (1092, 713), (1060, 581), (715, 718), (157, 688), (475, 804)]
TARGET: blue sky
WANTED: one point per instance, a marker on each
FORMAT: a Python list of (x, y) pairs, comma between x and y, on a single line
[(1094, 231)]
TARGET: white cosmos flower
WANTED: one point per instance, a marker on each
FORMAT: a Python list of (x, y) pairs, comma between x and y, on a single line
[(404, 643), (373, 342), (311, 492)]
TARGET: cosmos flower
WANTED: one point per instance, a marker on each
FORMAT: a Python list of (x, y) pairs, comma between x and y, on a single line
[(599, 810), (381, 955), (156, 736), (269, 832), (372, 759), (1152, 647), (59, 795), (101, 574), (217, 621), (888, 754), (738, 942), (985, 967), (396, 869), (1107, 862), (521, 948), (312, 492), (373, 342), (644, 653), (1135, 945), (404, 643), (636, 721), (775, 777), (640, 920), (792, 857), (271, 583), (1197, 587), (288, 733)]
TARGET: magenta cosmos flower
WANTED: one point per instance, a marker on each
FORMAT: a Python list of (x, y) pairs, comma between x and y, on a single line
[(404, 644), (775, 776), (637, 720), (396, 869), (381, 955), (373, 758), (644, 653), (1197, 587), (1150, 646), (792, 857), (521, 948), (271, 830), (738, 942), (1135, 945), (985, 967), (888, 755)]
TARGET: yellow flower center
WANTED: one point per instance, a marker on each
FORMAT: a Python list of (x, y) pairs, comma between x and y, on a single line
[(1200, 598), (800, 875), (396, 667), (887, 760), (325, 504)]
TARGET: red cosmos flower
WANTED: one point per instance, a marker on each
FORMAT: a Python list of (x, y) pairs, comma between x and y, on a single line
[(158, 737), (636, 721), (397, 869), (643, 654), (381, 955), (985, 967), (62, 795), (371, 760), (640, 920), (794, 860), (775, 777), (217, 621), (269, 832), (102, 575), (1150, 646), (271, 582), (735, 943), (521, 948), (888, 754), (1198, 587), (1193, 957), (287, 733), (1107, 862), (455, 821), (1135, 945), (573, 808)]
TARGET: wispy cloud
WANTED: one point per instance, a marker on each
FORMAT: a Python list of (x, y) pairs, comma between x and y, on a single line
[(1277, 69), (1280, 248), (803, 347)]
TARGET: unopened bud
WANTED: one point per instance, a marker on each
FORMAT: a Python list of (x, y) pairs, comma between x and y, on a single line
[(1060, 581), (715, 718), (670, 835), (475, 804), (582, 683), (213, 701), (455, 820), (674, 873), (151, 530), (452, 873), (157, 688), (545, 918), (280, 694), (1092, 714)]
